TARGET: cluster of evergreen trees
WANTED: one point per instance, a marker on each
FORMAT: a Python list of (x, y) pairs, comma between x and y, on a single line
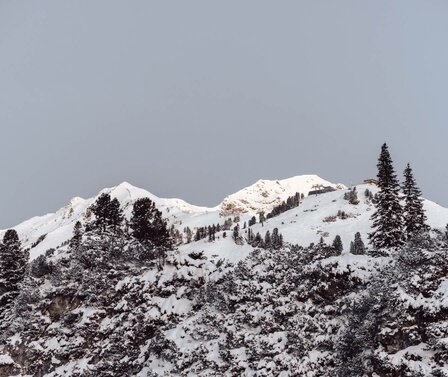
[(357, 246), (207, 231), (270, 241), (108, 213), (211, 230), (290, 203), (393, 222), (146, 223), (352, 196)]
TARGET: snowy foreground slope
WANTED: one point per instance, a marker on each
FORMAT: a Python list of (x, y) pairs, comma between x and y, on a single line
[(302, 225), (223, 308)]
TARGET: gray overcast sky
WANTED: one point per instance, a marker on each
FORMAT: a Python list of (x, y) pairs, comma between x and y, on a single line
[(197, 99)]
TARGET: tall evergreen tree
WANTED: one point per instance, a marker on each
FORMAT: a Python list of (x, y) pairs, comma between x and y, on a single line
[(236, 232), (337, 244), (267, 239), (77, 235), (414, 213), (115, 215), (357, 247), (388, 220), (160, 235), (141, 219), (101, 210), (276, 239), (148, 225), (13, 261)]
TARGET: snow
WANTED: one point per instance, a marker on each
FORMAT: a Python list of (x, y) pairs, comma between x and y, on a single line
[(72, 367), (264, 195), (315, 217), (173, 305), (6, 360), (420, 350)]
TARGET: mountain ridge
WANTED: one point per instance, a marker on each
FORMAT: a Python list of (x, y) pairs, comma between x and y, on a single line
[(316, 217)]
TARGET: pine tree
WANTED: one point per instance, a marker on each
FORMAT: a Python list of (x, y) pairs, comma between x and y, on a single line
[(388, 221), (160, 235), (357, 246), (267, 239), (141, 219), (252, 221), (353, 197), (77, 235), (101, 210), (250, 236), (13, 261), (276, 239), (337, 244), (115, 215), (414, 213), (148, 225), (236, 232)]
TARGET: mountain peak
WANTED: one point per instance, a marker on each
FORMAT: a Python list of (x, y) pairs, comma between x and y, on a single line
[(265, 194)]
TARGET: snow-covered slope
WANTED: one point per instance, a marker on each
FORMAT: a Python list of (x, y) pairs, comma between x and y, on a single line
[(264, 195), (52, 230), (317, 216)]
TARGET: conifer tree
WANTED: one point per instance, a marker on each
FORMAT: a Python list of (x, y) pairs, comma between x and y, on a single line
[(236, 232), (101, 210), (353, 197), (337, 244), (357, 246), (13, 261), (252, 221), (267, 239), (189, 234), (148, 225), (414, 213), (115, 215), (250, 236), (77, 235), (276, 239), (160, 235), (141, 219), (388, 221)]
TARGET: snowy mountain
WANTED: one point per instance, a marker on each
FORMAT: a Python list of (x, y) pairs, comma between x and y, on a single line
[(221, 306), (317, 216), (264, 195), (52, 230)]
